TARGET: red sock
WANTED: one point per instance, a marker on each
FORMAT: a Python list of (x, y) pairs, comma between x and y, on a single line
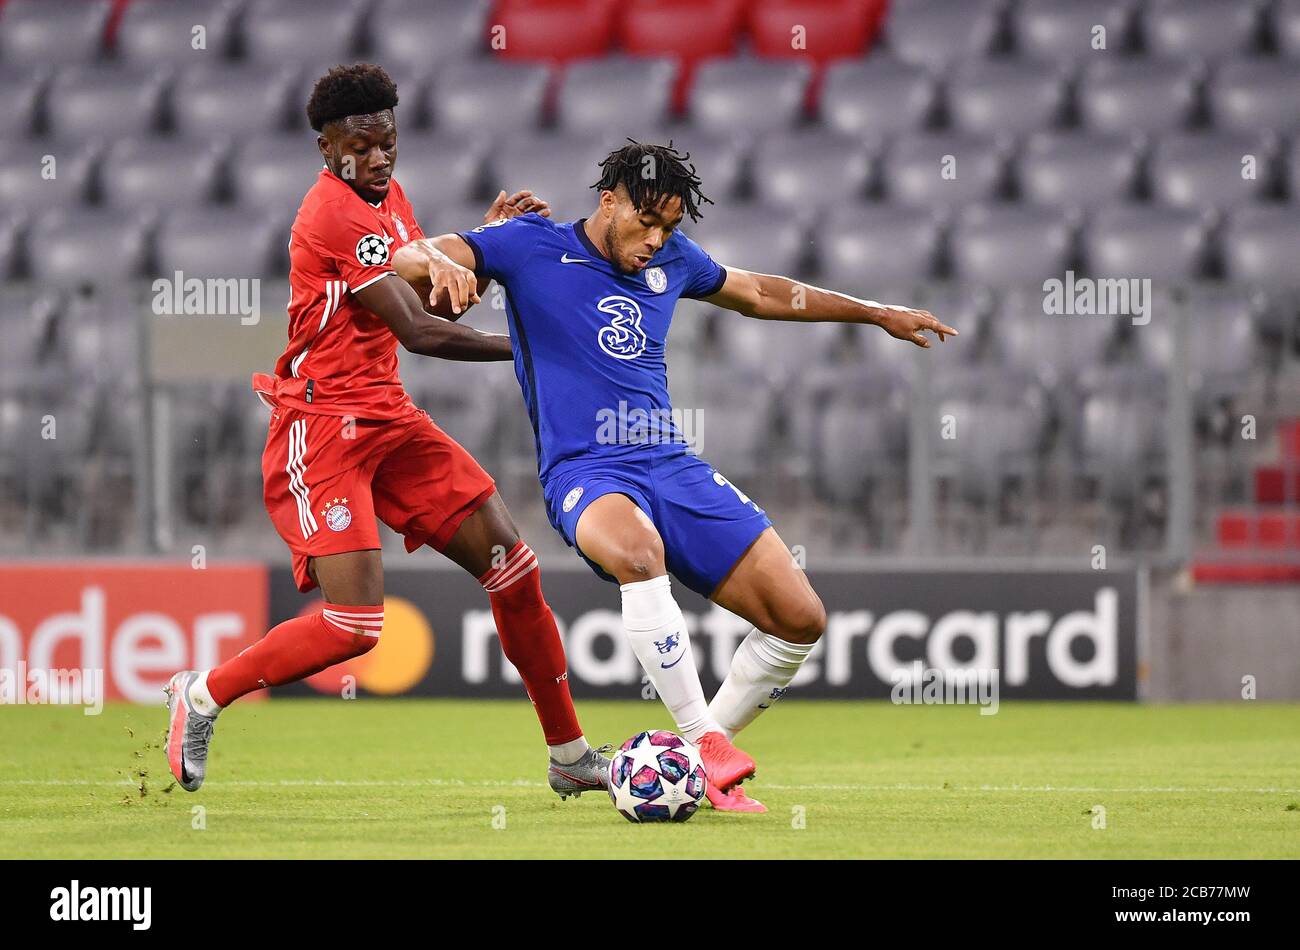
[(296, 649), (531, 641)]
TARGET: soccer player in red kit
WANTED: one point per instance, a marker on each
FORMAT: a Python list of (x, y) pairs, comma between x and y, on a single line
[(347, 446)]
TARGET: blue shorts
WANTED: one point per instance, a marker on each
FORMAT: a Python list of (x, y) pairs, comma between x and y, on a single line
[(706, 523)]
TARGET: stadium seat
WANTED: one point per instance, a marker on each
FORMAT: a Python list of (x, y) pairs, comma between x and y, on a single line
[(20, 107), (73, 245), (435, 170), (1076, 170), (1053, 348), (1203, 171), (854, 445), (1286, 27), (757, 239), (1220, 332), (222, 243), (1255, 95), (936, 33), (40, 32), (822, 30), (737, 418), (25, 186), (1120, 442), (990, 96), (280, 31), (11, 246), (781, 350), (1010, 244), (876, 96), (560, 168), (238, 100), (1062, 31), (654, 28), (1290, 174), (944, 169), (862, 249), (1207, 28), (1260, 247), (153, 32), (274, 172), (416, 33), (1146, 242), (616, 92), (85, 101), (993, 442), (1136, 95), (746, 95), (162, 174), (719, 160), (486, 96), (555, 30), (810, 170)]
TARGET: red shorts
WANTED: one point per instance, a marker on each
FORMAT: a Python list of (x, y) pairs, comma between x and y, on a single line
[(327, 478)]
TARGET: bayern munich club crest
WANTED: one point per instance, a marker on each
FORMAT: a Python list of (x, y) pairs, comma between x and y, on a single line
[(401, 228), (656, 279), (337, 515), (372, 250), (571, 499)]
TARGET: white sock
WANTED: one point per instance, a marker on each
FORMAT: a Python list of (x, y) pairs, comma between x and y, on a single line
[(566, 753), (657, 631), (201, 699), (762, 665)]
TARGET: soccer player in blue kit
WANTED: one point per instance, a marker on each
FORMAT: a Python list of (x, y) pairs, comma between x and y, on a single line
[(589, 304)]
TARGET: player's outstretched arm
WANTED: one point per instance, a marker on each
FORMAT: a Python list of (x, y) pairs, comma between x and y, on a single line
[(769, 297), (394, 302)]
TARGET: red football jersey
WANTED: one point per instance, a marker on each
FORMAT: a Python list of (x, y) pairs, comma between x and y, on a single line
[(342, 359)]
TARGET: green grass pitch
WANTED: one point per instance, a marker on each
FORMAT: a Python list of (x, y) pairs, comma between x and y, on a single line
[(441, 778)]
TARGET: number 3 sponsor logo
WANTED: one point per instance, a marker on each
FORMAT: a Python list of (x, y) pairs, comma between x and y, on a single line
[(623, 337)]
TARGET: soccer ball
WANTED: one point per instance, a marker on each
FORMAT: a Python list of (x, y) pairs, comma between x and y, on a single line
[(657, 776)]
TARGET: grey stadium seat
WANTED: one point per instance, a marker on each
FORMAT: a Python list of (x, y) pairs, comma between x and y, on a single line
[(161, 173), (993, 442), (275, 171), (437, 170), (616, 92), (810, 170), (38, 32), (11, 229), (1053, 348), (1286, 27), (719, 160), (1059, 31), (916, 170), (749, 237), (1291, 173), (989, 96), (1120, 440), (163, 31), (233, 100), (860, 250), (1256, 95), (852, 445), (935, 33), (876, 96), (23, 187), (415, 33), (1004, 244), (1220, 334), (746, 95), (19, 106), (1077, 170), (86, 247), (736, 421), (1137, 241), (1136, 95), (558, 167), (222, 243), (104, 100), (1199, 171), (486, 96), (1261, 246), (783, 350), (1209, 28), (277, 31)]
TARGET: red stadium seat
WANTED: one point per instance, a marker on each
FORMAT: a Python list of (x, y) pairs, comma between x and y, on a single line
[(654, 28), (555, 30), (831, 29)]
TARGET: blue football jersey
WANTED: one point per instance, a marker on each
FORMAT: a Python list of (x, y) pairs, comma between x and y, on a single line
[(588, 340)]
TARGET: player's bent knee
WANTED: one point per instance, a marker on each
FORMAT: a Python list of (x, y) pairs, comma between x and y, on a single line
[(799, 621)]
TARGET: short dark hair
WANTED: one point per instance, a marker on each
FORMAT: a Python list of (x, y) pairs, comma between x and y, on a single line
[(359, 89), (670, 176)]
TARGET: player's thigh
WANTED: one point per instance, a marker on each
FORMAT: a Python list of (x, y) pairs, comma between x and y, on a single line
[(484, 538), (355, 578), (616, 534), (768, 589)]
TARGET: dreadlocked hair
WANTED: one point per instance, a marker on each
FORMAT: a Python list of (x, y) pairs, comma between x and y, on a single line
[(651, 174), (359, 89)]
